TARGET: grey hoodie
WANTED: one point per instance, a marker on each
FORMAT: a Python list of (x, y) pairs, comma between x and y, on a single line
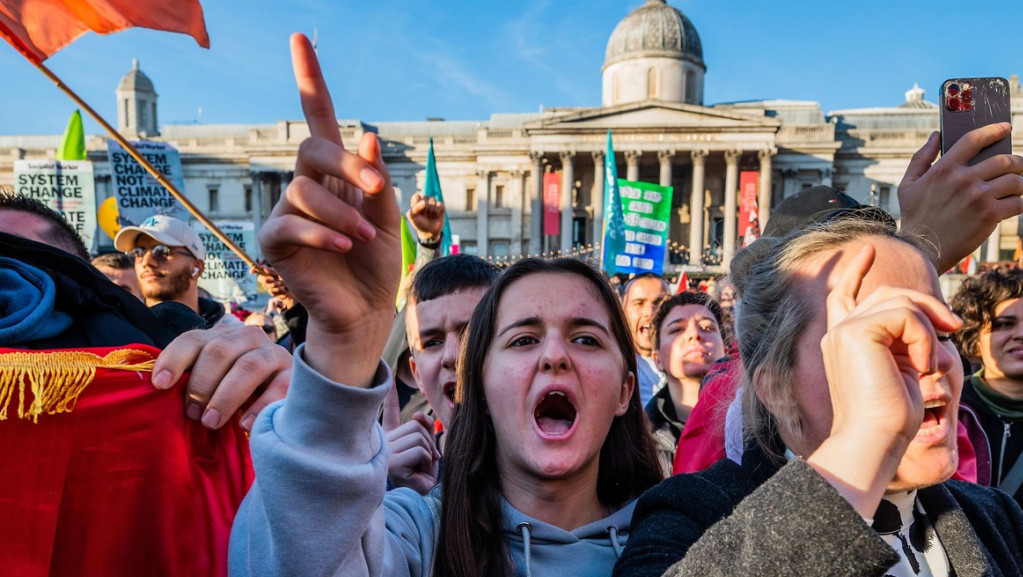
[(318, 506)]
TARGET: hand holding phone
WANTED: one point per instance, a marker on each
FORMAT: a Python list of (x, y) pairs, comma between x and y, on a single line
[(969, 103)]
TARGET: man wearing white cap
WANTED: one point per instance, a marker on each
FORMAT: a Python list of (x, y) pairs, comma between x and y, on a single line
[(169, 258)]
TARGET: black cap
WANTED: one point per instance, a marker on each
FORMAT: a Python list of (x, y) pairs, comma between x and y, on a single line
[(805, 207)]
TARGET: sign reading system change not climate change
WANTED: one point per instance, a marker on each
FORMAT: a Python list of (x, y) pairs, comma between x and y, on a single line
[(65, 186), (139, 195)]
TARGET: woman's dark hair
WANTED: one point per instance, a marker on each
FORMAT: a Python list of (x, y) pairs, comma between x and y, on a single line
[(688, 298), (976, 301), (470, 540)]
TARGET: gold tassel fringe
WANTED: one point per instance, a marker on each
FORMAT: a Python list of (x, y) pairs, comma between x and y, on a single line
[(57, 379)]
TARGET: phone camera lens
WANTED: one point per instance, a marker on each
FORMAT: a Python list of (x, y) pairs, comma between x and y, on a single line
[(953, 103), (953, 88), (967, 95), (966, 106)]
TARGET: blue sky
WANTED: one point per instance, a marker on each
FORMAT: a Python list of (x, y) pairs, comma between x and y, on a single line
[(463, 60)]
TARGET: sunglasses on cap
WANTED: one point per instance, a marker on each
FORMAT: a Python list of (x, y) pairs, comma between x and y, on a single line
[(160, 252)]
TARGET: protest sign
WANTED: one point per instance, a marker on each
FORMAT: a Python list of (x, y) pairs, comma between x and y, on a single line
[(139, 195), (226, 275), (65, 186), (647, 209)]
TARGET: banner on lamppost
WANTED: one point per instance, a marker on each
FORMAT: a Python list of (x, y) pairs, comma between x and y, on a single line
[(139, 195), (749, 219), (67, 187), (226, 276), (647, 210), (551, 203)]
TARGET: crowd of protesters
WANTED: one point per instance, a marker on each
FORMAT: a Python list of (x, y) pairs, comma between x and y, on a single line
[(819, 410)]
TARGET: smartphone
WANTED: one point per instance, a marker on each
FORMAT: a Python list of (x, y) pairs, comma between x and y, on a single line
[(968, 103)]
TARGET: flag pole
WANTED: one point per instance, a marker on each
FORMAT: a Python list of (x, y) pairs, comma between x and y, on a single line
[(149, 167)]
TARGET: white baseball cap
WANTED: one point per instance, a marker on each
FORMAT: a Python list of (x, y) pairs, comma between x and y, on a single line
[(165, 230)]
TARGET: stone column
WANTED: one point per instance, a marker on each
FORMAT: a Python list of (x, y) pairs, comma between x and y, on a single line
[(664, 159), (260, 206), (731, 212), (567, 183), (518, 203), (632, 164), (482, 212), (598, 197), (764, 196), (696, 209), (536, 214), (994, 243)]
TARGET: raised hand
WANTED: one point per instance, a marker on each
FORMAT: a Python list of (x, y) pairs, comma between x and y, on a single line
[(956, 206), (334, 237), (427, 216)]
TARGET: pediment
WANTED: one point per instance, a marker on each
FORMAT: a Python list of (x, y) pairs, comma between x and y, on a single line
[(652, 113)]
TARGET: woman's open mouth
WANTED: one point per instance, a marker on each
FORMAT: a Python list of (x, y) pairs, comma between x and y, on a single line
[(555, 415), (935, 420)]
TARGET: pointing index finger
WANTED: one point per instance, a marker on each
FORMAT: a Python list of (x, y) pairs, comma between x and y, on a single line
[(316, 103)]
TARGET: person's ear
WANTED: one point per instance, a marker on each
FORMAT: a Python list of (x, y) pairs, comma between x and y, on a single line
[(625, 394), (657, 361), (415, 371)]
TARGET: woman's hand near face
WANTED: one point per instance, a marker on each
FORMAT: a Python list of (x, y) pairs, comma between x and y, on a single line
[(875, 351), (334, 237)]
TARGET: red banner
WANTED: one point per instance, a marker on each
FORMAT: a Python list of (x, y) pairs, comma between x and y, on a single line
[(551, 200), (749, 220)]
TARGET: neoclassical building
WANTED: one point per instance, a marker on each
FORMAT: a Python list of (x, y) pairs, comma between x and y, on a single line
[(492, 170)]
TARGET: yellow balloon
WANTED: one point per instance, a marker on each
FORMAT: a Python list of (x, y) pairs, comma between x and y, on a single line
[(107, 217)]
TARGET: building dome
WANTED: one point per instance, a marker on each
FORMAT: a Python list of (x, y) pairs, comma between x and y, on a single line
[(654, 29), (654, 54), (136, 80)]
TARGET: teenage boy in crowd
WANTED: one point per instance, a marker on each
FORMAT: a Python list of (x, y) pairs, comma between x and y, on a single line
[(441, 300)]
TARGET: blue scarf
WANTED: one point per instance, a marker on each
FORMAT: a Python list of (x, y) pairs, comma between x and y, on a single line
[(27, 296)]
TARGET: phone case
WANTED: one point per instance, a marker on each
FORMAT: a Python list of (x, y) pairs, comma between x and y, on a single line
[(968, 103)]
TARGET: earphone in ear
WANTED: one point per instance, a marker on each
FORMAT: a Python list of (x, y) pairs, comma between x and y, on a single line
[(195, 272)]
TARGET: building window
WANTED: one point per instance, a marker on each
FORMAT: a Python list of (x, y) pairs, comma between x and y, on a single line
[(248, 198), (651, 83), (468, 247), (143, 124), (499, 248), (214, 198), (470, 199), (691, 87), (499, 196)]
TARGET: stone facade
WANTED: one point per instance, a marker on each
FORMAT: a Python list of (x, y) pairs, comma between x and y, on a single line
[(491, 171)]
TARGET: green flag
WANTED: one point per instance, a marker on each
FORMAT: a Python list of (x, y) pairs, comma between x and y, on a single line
[(72, 146), (614, 220), (408, 260), (432, 190)]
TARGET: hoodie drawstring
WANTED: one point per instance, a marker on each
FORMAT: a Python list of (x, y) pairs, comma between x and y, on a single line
[(525, 528), (613, 533)]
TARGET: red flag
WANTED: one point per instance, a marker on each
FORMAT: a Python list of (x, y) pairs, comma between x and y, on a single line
[(39, 28), (683, 283), (118, 482)]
